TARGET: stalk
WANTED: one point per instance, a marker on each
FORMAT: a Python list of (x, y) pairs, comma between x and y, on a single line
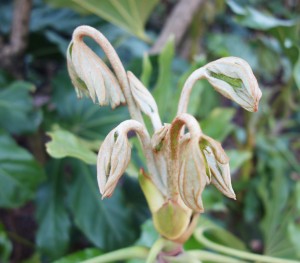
[(121, 254), (187, 89), (119, 70), (199, 235)]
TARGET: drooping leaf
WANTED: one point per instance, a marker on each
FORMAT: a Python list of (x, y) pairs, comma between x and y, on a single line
[(82, 117), (20, 174), (17, 113), (89, 73), (109, 224), (65, 144), (53, 235)]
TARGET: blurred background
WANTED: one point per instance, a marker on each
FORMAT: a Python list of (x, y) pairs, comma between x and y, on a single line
[(50, 207)]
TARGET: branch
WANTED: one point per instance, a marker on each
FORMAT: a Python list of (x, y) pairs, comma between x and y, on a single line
[(18, 35), (177, 23)]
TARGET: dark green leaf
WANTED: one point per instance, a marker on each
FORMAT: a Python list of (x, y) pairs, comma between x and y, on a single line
[(53, 235), (60, 20), (82, 117), (106, 223), (20, 174), (17, 113)]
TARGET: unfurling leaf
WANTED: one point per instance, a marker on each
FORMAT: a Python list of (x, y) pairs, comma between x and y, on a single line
[(192, 176), (143, 99), (159, 136), (234, 79), (141, 95), (113, 159), (218, 163), (91, 77)]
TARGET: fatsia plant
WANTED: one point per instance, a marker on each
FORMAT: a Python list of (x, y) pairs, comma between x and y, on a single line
[(181, 160)]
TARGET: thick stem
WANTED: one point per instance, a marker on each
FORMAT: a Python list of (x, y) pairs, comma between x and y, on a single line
[(11, 53), (163, 248), (177, 23), (155, 249), (199, 235), (119, 70), (173, 149), (187, 88), (122, 254)]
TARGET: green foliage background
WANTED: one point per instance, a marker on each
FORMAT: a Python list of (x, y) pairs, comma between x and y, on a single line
[(49, 201)]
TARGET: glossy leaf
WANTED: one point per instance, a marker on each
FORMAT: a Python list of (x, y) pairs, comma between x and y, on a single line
[(65, 144), (53, 235), (20, 174), (109, 224), (17, 113)]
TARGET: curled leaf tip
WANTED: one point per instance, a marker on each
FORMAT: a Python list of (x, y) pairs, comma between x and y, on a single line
[(91, 76), (113, 159), (234, 79)]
